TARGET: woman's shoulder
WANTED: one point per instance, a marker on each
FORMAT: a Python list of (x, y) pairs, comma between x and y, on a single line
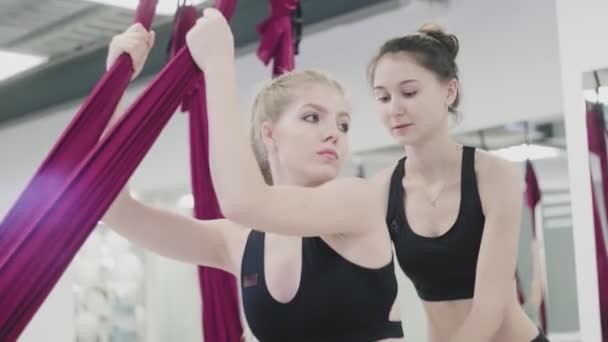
[(491, 165), (498, 179)]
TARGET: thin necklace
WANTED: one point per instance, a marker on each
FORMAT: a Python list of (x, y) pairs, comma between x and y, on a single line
[(433, 201)]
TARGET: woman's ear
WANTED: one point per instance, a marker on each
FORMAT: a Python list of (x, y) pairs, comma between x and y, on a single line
[(453, 86), (267, 132)]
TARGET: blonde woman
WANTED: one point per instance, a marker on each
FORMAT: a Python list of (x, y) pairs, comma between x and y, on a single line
[(333, 283)]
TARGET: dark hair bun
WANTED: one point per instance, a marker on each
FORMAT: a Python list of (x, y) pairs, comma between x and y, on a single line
[(449, 41)]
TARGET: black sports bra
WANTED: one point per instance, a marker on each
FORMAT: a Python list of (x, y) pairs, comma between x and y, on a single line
[(337, 301), (441, 268)]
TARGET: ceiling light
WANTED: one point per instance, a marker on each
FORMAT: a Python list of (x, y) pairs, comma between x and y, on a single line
[(186, 201), (591, 95), (12, 63), (164, 7), (519, 153)]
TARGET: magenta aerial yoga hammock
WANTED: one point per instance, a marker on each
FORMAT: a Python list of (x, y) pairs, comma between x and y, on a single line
[(277, 37), (596, 133), (41, 233), (79, 180), (77, 183), (77, 140), (533, 197), (219, 292)]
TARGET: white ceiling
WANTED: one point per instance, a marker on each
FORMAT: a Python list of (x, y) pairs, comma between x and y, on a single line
[(56, 28)]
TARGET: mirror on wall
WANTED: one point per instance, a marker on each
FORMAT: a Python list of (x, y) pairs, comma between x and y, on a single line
[(595, 91)]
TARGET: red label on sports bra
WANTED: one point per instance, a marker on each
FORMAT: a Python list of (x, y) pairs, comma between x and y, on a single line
[(250, 280)]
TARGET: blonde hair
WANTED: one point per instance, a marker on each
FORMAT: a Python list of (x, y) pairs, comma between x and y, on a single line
[(270, 102)]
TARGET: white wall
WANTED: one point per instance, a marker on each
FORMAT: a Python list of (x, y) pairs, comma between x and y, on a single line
[(581, 26), (55, 319), (508, 60), (510, 71)]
